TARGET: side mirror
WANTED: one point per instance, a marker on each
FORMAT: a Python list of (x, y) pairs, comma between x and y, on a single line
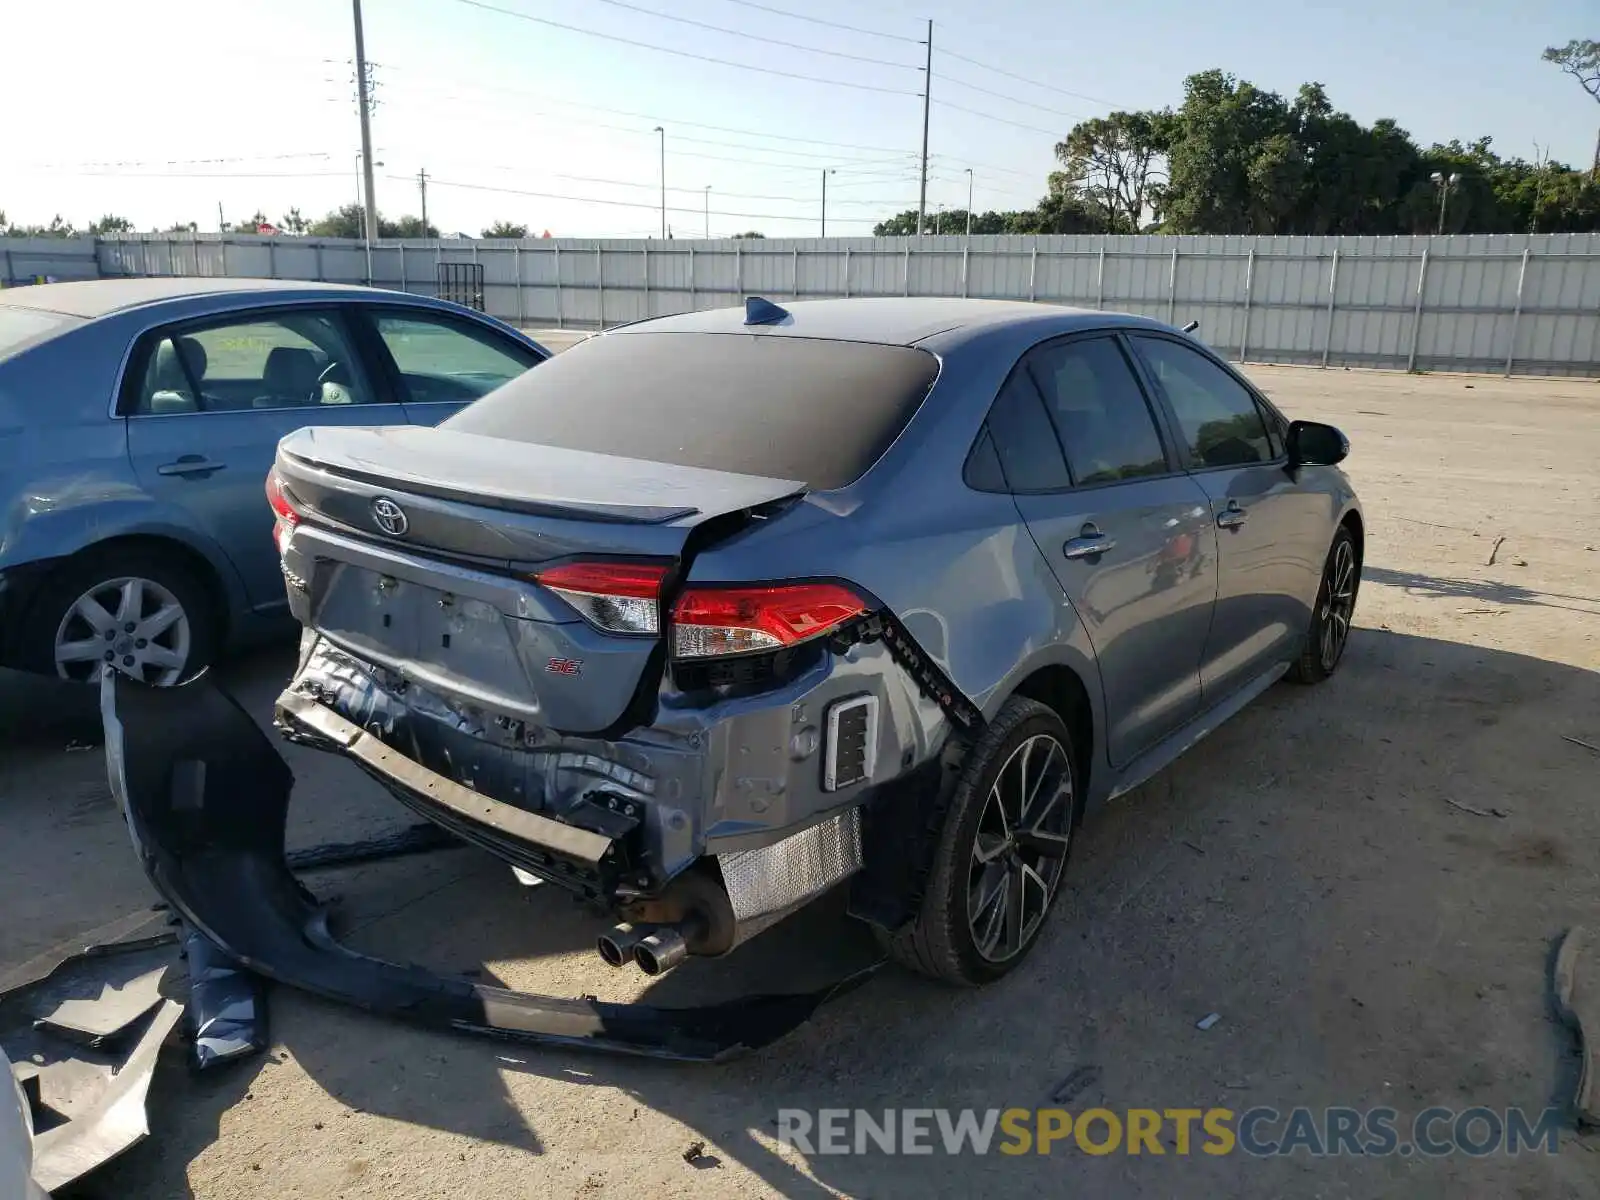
[(1313, 444)]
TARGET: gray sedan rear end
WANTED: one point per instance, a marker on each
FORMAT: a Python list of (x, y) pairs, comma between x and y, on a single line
[(760, 600)]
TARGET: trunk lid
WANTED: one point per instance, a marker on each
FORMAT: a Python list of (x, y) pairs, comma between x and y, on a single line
[(417, 547)]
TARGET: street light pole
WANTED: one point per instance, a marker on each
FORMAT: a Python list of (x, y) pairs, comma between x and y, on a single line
[(969, 201), (708, 212), (826, 171), (662, 131), (1444, 183)]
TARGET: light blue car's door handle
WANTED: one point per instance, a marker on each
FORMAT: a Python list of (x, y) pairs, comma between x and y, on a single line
[(1232, 517), (190, 464), (1089, 545)]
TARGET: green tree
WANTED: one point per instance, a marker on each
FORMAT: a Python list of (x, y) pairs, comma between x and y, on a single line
[(294, 222), (348, 221), (506, 229), (58, 228), (1580, 58), (110, 224), (182, 227), (749, 233), (1113, 165), (253, 224)]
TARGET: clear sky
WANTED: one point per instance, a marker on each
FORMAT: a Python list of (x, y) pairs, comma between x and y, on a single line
[(160, 116)]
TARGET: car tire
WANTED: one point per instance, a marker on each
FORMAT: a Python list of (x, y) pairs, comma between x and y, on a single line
[(1332, 613), (177, 648), (948, 939)]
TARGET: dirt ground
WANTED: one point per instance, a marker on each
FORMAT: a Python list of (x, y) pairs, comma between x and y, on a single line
[(1302, 872)]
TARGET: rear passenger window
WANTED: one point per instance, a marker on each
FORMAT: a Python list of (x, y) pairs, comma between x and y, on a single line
[(1099, 411), (1027, 446), (1218, 416)]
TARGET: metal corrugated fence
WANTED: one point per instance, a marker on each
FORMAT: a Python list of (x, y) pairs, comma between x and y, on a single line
[(1511, 303)]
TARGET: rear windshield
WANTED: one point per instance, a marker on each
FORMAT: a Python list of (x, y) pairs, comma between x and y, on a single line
[(816, 411), (21, 327)]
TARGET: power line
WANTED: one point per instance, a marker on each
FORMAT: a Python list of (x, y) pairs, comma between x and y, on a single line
[(755, 37), (208, 174), (696, 210), (721, 62), (779, 12), (178, 162), (1002, 120), (659, 120), (1049, 87), (972, 87), (694, 191)]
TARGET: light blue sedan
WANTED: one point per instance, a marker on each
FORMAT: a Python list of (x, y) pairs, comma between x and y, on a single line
[(138, 421)]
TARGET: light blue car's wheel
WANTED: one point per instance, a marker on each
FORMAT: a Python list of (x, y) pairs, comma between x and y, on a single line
[(138, 609), (133, 624)]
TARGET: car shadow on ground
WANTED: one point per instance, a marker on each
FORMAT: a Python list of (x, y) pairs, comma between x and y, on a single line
[(1324, 871)]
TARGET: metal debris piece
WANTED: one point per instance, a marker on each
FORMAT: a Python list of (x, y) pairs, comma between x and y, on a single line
[(98, 1019), (1494, 550), (1581, 742), (1207, 1021), (116, 1122), (206, 796)]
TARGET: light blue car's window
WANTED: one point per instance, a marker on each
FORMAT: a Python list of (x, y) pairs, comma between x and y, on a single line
[(291, 360), (21, 327), (441, 362)]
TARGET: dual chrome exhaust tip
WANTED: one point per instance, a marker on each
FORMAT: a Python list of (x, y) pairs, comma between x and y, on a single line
[(654, 949)]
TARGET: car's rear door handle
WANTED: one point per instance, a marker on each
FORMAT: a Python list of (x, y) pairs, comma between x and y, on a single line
[(1089, 545), (190, 464), (1232, 517)]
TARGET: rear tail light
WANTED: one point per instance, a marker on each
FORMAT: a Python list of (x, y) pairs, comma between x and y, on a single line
[(615, 597), (287, 518), (713, 622)]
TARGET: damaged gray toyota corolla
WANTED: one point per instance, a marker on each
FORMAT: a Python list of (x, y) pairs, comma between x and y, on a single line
[(714, 612)]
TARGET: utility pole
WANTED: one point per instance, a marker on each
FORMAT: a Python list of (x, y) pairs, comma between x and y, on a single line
[(927, 88), (662, 131), (222, 226), (969, 202), (826, 171), (708, 212), (422, 187), (364, 95)]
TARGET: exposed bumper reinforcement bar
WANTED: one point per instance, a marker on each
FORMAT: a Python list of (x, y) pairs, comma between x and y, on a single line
[(206, 796), (576, 858)]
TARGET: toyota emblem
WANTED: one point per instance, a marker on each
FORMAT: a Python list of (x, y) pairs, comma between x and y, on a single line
[(390, 517)]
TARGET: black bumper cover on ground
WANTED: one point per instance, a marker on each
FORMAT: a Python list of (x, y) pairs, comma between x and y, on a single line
[(206, 796)]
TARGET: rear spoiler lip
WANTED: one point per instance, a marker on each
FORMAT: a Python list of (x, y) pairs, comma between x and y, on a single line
[(206, 795), (401, 484)]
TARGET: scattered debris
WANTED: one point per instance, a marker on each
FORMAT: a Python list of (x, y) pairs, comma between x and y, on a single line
[(1192, 846), (1494, 549), (1519, 562), (1207, 1021), (697, 1157), (86, 1033), (1477, 812), (1483, 612), (1581, 742), (1075, 1084), (77, 747), (1579, 1007)]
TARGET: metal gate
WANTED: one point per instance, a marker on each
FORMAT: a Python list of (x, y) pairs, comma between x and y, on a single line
[(462, 283)]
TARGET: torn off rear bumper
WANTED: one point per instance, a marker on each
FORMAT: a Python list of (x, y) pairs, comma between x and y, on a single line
[(206, 797)]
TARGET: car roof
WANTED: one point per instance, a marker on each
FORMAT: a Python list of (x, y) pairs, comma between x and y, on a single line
[(895, 320), (92, 298)]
